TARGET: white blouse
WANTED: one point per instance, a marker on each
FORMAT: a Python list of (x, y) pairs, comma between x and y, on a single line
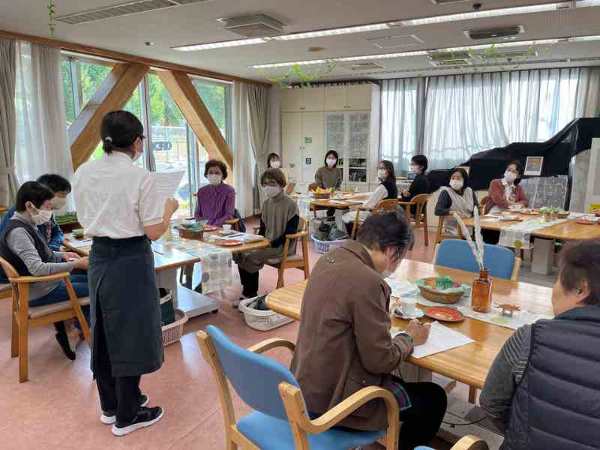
[(115, 198)]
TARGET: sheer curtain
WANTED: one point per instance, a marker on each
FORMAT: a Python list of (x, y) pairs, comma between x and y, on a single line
[(259, 115), (244, 162), (465, 114), (8, 184), (41, 140), (401, 119)]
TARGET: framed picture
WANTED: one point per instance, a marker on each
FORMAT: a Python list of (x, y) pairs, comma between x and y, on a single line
[(533, 166)]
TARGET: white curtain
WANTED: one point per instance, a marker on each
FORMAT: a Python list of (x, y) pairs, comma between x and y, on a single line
[(243, 156), (258, 112), (401, 119), (41, 143), (8, 184), (465, 114)]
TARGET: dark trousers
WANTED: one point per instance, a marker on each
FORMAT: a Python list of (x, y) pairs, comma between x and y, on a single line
[(249, 283), (421, 422), (120, 395), (490, 236)]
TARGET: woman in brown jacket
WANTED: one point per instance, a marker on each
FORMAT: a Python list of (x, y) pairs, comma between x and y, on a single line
[(344, 342)]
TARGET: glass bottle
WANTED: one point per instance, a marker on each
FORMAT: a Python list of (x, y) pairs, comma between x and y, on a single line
[(481, 293)]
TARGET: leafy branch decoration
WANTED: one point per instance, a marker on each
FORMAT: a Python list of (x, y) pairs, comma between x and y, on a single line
[(51, 6), (296, 74)]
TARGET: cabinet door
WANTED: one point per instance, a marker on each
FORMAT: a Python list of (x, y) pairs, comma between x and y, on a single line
[(292, 100), (335, 137), (358, 146), (335, 98), (291, 139), (313, 149), (313, 99), (358, 97)]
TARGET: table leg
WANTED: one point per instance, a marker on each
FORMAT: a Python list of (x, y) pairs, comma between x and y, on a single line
[(191, 302), (543, 256), (339, 213)]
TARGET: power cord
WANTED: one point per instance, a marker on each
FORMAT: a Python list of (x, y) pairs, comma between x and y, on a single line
[(464, 424)]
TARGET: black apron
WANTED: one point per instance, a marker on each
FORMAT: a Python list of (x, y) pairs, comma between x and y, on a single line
[(123, 282)]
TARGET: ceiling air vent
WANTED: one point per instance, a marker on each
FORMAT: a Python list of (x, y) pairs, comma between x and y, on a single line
[(495, 33), (122, 9), (357, 67), (258, 25)]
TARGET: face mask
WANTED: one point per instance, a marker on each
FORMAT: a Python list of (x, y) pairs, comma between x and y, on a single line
[(214, 178), (40, 216), (382, 174), (271, 191), (456, 185), (510, 177), (414, 169), (58, 203), (275, 164), (331, 162)]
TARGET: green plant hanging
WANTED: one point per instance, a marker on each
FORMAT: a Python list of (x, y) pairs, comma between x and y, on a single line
[(51, 6), (296, 74)]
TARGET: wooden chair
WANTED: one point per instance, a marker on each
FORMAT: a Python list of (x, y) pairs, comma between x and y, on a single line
[(279, 415), (390, 204), (293, 261), (25, 316), (419, 219), (441, 234)]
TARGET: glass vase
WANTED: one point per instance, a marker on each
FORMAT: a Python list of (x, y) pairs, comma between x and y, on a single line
[(481, 293)]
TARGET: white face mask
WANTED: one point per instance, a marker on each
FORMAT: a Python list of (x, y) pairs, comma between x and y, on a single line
[(456, 184), (58, 203), (39, 216), (214, 178), (271, 191), (275, 164), (510, 177), (382, 174), (331, 162)]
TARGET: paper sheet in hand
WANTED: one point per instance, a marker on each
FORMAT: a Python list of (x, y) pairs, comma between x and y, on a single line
[(441, 338), (166, 184)]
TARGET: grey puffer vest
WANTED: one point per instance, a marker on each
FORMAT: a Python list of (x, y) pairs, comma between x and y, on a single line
[(557, 403)]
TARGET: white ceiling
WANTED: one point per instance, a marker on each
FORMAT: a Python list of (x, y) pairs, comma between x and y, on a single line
[(196, 23)]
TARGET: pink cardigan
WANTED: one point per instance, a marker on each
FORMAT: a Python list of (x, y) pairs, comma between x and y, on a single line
[(496, 196)]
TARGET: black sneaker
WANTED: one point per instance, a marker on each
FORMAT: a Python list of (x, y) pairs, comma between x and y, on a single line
[(145, 417), (63, 341), (110, 417)]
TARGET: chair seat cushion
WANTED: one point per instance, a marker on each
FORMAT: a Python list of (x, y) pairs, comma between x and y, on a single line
[(5, 287), (275, 261), (270, 433), (40, 311)]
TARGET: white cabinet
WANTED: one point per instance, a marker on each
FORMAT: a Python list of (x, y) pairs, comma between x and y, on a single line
[(303, 147), (348, 98), (303, 99), (335, 98)]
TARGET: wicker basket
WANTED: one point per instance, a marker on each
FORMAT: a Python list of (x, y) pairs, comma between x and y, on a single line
[(261, 320), (429, 292), (321, 196), (190, 234), (172, 333), (325, 246)]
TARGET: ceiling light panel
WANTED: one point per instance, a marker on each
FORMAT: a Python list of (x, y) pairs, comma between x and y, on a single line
[(332, 32), (224, 44)]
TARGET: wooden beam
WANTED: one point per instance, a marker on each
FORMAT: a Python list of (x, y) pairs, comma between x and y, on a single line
[(124, 57), (197, 115), (113, 94)]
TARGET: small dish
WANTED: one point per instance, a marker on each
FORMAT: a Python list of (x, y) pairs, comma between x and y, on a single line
[(397, 312), (228, 243), (444, 314)]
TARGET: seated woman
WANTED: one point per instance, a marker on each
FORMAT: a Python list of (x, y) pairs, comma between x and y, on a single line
[(458, 198), (274, 162), (329, 176), (542, 388), (420, 185), (387, 189), (506, 192), (215, 201), (26, 250), (344, 342), (279, 217)]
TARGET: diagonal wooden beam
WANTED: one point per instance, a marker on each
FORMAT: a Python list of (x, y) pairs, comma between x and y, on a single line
[(113, 94), (197, 115)]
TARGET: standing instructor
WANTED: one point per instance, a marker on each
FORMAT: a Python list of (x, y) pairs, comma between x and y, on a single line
[(117, 204)]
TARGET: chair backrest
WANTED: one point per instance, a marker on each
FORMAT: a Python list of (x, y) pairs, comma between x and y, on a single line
[(456, 254), (254, 377), (9, 270), (420, 202), (390, 204)]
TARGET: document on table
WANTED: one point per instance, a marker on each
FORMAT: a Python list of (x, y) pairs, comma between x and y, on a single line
[(166, 184), (441, 338), (79, 243)]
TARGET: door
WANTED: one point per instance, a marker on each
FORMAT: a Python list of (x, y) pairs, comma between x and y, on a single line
[(291, 139), (313, 150)]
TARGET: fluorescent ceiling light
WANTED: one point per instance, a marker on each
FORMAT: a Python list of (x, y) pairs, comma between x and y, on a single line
[(421, 52), (528, 9), (584, 38), (224, 44), (332, 32)]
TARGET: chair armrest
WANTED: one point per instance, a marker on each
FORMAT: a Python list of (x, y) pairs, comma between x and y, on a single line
[(292, 395), (297, 235), (470, 442), (53, 277), (401, 203), (269, 344)]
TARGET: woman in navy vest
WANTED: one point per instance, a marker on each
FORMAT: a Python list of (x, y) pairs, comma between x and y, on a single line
[(543, 388)]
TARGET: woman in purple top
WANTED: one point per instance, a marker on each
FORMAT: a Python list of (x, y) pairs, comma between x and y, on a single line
[(215, 201)]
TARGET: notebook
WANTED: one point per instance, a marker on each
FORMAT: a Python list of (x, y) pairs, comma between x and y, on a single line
[(441, 338)]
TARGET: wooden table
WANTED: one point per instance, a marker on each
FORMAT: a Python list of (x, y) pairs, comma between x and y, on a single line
[(543, 253), (468, 364)]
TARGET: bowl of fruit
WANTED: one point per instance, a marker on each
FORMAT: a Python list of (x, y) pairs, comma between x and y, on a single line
[(320, 193)]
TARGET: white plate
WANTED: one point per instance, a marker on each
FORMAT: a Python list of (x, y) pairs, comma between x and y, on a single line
[(397, 313)]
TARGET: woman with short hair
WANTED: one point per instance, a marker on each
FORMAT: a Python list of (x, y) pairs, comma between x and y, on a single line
[(457, 198), (215, 202), (542, 388), (420, 185)]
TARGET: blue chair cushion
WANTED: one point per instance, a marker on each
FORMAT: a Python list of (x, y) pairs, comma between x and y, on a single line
[(456, 254), (270, 433)]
